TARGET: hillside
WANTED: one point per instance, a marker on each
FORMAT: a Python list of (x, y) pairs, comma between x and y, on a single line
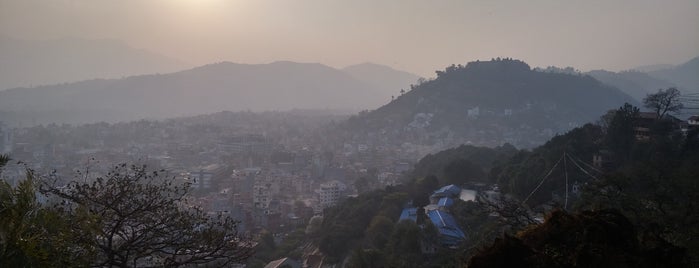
[(387, 80), (635, 83), (206, 89), (684, 75), (26, 63), (490, 103)]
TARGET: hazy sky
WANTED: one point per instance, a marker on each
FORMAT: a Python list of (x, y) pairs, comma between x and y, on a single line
[(419, 36)]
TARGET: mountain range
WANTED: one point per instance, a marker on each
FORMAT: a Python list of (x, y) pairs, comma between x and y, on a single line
[(207, 89), (639, 82), (27, 63)]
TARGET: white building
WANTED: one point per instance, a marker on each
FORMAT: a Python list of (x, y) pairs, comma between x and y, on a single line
[(263, 192), (330, 193), (473, 112), (203, 178), (5, 139)]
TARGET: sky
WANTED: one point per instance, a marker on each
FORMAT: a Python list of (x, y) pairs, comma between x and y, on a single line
[(412, 35)]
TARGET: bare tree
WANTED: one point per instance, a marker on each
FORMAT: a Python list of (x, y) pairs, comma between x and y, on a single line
[(511, 212), (134, 217), (664, 101)]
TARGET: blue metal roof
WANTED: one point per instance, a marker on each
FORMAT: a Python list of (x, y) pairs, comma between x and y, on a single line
[(408, 214), (445, 202), (450, 190), (449, 231)]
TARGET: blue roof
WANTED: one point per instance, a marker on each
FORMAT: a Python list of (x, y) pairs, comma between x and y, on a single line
[(408, 214), (449, 231), (448, 191), (445, 202)]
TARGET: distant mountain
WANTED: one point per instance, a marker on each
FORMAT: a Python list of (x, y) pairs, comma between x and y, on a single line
[(489, 103), (636, 84), (652, 67), (685, 76), (27, 63), (206, 89), (387, 80)]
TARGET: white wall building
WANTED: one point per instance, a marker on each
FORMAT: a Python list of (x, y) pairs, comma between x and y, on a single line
[(330, 193), (5, 139)]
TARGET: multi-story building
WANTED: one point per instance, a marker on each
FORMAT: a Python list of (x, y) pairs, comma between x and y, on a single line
[(247, 144), (5, 139), (330, 193)]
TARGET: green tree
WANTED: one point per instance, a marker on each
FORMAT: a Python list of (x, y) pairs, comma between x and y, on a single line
[(620, 133), (378, 232), (403, 247), (32, 235)]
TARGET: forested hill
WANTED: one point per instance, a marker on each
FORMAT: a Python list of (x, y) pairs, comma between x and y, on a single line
[(492, 102)]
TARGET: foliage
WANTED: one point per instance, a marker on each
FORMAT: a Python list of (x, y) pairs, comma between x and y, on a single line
[(525, 170), (603, 238), (403, 247), (30, 234), (344, 226), (136, 217), (462, 164), (540, 103), (620, 133)]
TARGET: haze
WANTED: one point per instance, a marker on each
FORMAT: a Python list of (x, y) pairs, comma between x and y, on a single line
[(411, 35)]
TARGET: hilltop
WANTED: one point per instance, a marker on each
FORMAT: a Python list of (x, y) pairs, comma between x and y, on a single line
[(489, 103)]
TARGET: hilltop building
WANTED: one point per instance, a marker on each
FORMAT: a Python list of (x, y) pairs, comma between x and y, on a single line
[(450, 234)]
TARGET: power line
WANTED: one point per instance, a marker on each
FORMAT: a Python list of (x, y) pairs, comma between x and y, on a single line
[(565, 171), (577, 160), (542, 180)]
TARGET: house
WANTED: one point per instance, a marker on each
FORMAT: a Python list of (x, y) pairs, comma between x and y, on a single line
[(693, 121), (445, 202), (449, 232), (408, 214), (646, 120), (451, 191)]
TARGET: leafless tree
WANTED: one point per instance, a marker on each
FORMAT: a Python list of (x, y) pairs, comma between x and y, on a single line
[(664, 101), (134, 217)]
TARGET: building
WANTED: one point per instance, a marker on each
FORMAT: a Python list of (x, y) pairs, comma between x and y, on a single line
[(203, 178), (262, 194), (247, 144), (644, 123), (408, 214), (449, 232), (473, 112), (330, 193), (693, 122), (450, 191), (5, 139)]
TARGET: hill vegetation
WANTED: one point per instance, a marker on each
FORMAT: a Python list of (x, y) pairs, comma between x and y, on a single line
[(635, 208), (490, 103)]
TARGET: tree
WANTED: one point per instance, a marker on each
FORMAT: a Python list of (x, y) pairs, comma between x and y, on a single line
[(403, 246), (664, 101), (378, 232), (31, 235), (620, 132), (135, 217)]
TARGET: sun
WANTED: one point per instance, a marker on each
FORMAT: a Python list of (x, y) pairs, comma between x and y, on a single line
[(201, 3)]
